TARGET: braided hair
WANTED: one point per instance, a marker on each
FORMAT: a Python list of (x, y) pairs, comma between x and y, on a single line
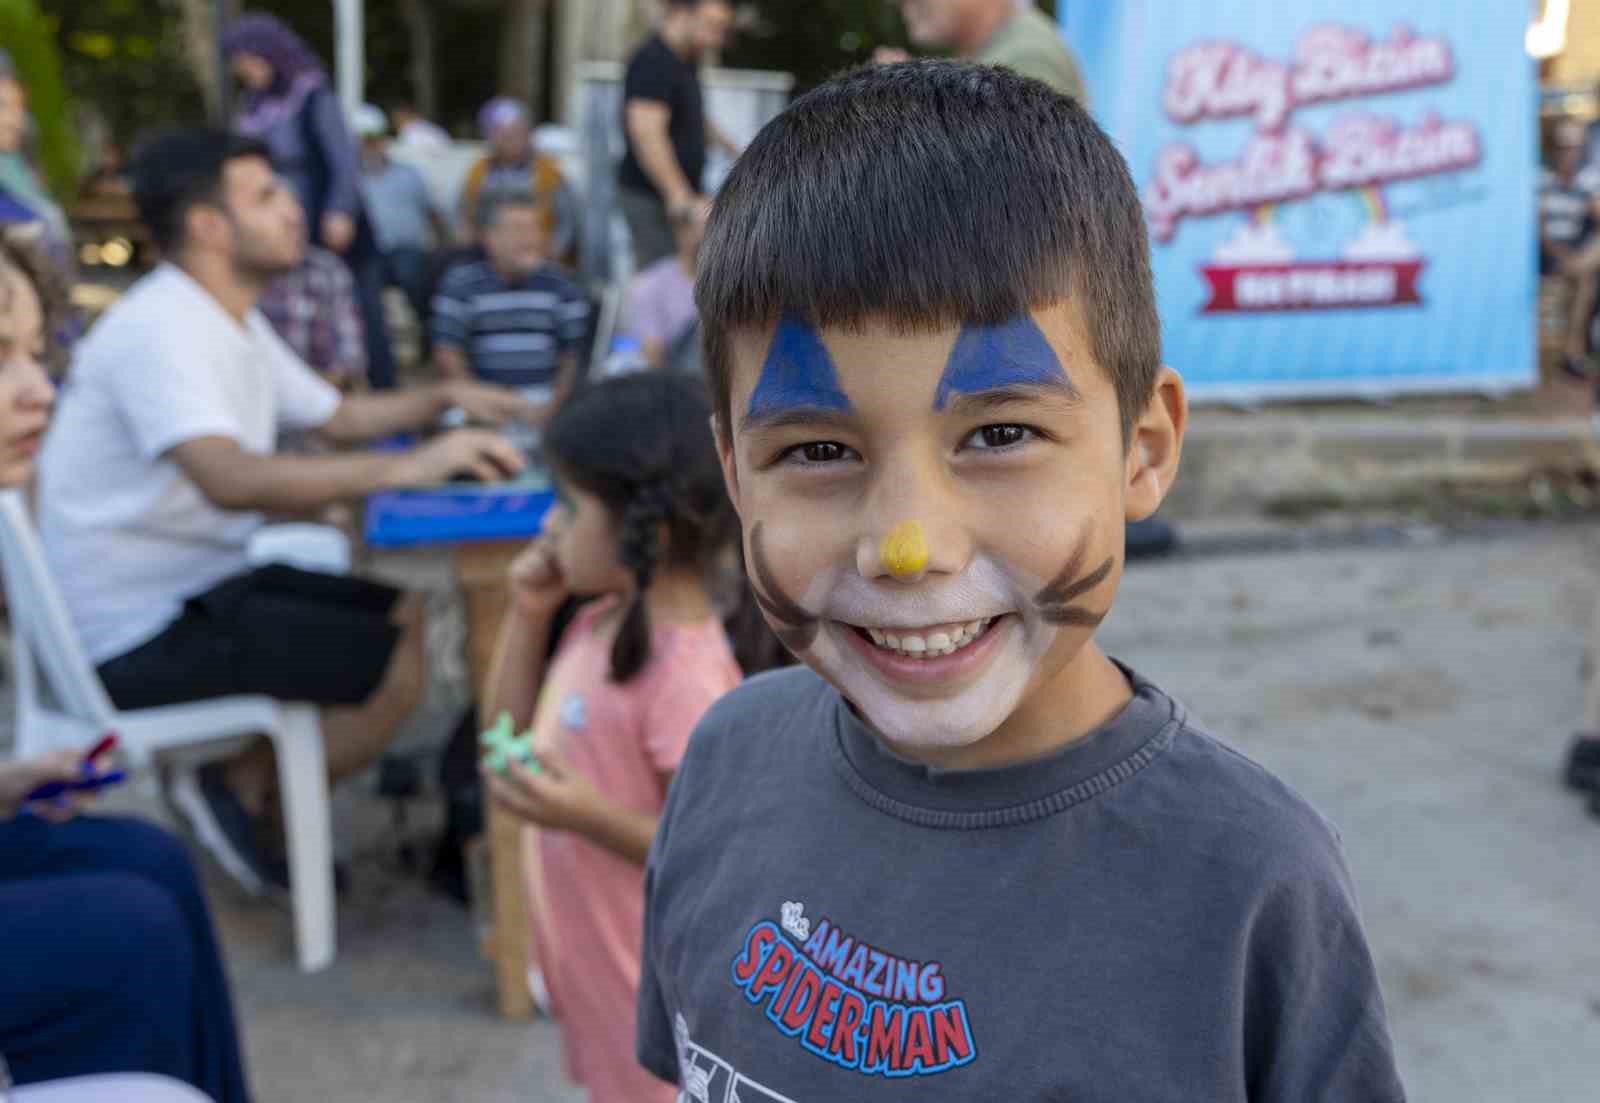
[(642, 444)]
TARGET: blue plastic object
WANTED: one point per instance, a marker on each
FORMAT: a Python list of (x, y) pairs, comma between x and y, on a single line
[(453, 515)]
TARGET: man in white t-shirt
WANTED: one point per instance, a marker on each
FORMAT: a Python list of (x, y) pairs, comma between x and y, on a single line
[(161, 464)]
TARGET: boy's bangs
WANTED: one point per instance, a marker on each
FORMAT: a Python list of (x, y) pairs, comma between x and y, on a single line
[(855, 243), (931, 194)]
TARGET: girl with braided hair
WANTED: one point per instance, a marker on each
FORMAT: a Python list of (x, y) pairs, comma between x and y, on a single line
[(642, 523)]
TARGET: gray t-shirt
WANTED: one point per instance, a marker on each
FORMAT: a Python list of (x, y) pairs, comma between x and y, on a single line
[(1144, 915)]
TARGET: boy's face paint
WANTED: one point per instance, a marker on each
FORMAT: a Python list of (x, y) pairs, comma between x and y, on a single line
[(904, 551), (797, 374), (795, 628), (1015, 473), (988, 358)]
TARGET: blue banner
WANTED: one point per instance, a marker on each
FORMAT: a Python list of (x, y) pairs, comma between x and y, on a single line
[(1340, 193)]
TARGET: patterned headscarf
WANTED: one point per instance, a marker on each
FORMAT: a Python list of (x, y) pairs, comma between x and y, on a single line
[(296, 71), (498, 112)]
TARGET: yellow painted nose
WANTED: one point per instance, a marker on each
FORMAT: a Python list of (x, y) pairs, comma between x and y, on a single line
[(904, 552)]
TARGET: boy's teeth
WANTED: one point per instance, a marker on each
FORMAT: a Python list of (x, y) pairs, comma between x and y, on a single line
[(932, 645)]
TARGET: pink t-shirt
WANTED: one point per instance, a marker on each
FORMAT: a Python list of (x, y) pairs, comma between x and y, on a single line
[(586, 905)]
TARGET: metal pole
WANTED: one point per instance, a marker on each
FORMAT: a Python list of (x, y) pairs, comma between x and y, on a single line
[(350, 50), (219, 23)]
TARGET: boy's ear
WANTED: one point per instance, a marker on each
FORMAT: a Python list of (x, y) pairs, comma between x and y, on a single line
[(1155, 444), (730, 470)]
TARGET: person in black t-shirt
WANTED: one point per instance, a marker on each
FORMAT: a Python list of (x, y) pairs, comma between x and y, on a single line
[(664, 119)]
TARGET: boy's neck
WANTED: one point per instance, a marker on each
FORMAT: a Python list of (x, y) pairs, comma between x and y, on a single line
[(678, 596), (1080, 699)]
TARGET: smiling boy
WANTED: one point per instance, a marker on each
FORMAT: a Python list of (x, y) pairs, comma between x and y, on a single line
[(965, 855)]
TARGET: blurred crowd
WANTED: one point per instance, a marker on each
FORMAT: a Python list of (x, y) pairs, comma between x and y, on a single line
[(1569, 245), (268, 316)]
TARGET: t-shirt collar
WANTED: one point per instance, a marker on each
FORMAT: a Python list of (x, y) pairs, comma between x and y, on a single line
[(1007, 794), (245, 332)]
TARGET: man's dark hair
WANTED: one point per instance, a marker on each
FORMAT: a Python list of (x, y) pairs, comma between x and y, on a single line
[(180, 168), (929, 194)]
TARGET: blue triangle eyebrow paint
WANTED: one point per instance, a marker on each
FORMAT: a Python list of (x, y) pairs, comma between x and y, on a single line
[(989, 358)]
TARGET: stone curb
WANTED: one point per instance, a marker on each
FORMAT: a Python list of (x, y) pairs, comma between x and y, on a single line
[(1235, 465)]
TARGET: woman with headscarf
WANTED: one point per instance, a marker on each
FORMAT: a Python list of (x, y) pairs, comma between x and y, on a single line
[(22, 197), (290, 104)]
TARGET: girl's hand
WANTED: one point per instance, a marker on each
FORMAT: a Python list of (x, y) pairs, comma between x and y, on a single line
[(558, 797), (537, 587), (338, 231), (18, 779)]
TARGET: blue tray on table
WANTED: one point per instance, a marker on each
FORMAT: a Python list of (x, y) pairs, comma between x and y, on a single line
[(459, 512), (405, 518)]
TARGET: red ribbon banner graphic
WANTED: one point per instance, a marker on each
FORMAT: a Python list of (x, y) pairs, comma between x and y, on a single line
[(1311, 285)]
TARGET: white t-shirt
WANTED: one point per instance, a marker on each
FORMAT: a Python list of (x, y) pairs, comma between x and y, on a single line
[(128, 536)]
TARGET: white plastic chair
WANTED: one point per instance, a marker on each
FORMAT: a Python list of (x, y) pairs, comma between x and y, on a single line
[(124, 1087), (46, 651)]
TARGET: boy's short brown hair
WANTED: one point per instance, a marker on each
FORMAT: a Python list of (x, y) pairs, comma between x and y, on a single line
[(932, 193)]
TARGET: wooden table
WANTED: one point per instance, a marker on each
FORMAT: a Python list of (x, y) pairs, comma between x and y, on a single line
[(485, 527), (481, 571)]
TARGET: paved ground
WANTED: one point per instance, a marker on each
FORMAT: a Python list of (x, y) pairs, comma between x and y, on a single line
[(1422, 696)]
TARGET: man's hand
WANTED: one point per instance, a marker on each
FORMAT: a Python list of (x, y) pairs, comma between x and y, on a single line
[(480, 453), (889, 55), (488, 403), (537, 586), (338, 231), (18, 779), (558, 797)]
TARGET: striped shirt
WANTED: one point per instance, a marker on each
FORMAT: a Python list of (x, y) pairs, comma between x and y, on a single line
[(512, 334)]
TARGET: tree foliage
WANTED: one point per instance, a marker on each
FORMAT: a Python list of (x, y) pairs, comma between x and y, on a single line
[(815, 39), (27, 36), (465, 50), (126, 59)]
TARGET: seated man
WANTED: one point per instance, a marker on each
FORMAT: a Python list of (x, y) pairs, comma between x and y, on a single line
[(512, 166), (315, 310), (1569, 197), (661, 310), (160, 465), (511, 318)]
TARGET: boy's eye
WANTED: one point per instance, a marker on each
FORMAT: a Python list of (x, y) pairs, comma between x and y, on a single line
[(817, 452), (998, 437)]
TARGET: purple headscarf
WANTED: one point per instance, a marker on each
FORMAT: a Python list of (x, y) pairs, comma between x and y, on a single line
[(296, 71)]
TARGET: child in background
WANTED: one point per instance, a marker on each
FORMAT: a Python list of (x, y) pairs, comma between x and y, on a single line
[(643, 519)]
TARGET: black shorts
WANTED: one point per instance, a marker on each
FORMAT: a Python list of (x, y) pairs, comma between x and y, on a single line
[(277, 630)]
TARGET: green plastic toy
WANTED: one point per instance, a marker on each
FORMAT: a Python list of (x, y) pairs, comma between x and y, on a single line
[(502, 746)]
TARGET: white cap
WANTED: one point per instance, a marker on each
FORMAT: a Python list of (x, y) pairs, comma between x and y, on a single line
[(369, 121)]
